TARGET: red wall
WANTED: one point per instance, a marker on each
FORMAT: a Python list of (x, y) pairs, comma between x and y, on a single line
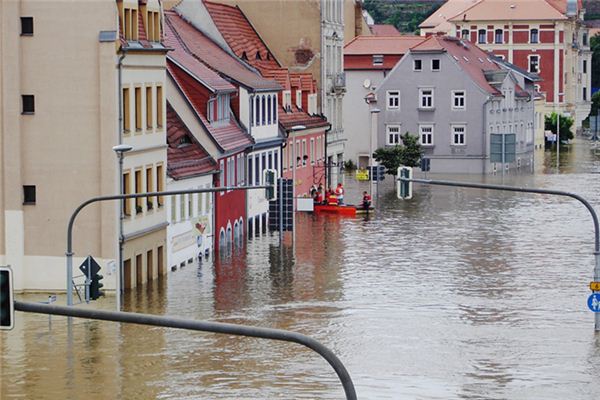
[(229, 207), (546, 68), (366, 62), (309, 174)]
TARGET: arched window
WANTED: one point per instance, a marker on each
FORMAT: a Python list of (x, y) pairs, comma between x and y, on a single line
[(256, 110), (269, 109), (263, 111)]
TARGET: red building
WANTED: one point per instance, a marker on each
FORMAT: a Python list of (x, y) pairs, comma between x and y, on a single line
[(201, 99)]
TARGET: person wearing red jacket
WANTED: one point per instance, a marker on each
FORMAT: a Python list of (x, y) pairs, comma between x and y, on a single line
[(366, 202)]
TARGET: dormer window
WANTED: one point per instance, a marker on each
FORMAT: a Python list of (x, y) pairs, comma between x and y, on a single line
[(244, 56), (287, 101), (258, 57), (184, 141), (153, 26), (129, 24), (218, 108), (377, 59), (312, 104), (299, 99)]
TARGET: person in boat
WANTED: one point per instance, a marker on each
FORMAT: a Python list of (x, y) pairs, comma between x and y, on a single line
[(339, 192), (366, 202), (318, 199), (332, 200)]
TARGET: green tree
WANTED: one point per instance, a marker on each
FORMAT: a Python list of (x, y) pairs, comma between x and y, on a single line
[(595, 47), (565, 125), (408, 154)]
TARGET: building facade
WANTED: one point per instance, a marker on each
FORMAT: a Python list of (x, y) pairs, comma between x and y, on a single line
[(546, 37), (454, 97), (367, 61), (119, 80)]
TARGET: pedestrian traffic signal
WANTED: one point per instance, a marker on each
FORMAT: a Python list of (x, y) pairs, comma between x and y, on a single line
[(380, 172), (7, 309), (95, 286), (270, 179), (377, 173), (404, 188)]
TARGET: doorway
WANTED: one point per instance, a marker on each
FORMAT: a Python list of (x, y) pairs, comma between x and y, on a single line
[(138, 270), (149, 266), (127, 274)]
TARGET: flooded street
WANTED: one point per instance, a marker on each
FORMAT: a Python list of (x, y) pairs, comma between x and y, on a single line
[(456, 294)]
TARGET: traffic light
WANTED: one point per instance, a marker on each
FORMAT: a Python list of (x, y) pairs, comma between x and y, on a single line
[(404, 188), (380, 172), (95, 286), (7, 309), (270, 178)]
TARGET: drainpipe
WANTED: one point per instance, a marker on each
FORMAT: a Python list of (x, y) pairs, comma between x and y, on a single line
[(121, 215)]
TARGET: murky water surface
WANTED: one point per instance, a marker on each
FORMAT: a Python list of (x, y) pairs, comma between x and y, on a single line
[(457, 294)]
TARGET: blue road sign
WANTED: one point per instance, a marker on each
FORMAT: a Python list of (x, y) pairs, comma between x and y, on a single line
[(594, 302)]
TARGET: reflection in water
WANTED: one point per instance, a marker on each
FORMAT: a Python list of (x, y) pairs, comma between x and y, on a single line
[(455, 294)]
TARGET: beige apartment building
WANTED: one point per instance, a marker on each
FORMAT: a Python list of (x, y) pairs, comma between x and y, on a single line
[(76, 79)]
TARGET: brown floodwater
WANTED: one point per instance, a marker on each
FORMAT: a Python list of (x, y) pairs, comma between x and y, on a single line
[(456, 294)]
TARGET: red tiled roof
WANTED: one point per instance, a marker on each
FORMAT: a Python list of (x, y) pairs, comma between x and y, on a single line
[(227, 134), (245, 42), (368, 45), (201, 47), (514, 10), (187, 159), (470, 58), (241, 36), (185, 60), (384, 30)]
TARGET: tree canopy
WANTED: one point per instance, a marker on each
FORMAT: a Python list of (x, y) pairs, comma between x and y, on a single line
[(408, 154), (565, 125)]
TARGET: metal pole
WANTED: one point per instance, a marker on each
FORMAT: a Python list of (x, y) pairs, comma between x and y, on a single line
[(537, 191), (69, 252), (280, 199), (119, 274), (557, 143), (204, 326)]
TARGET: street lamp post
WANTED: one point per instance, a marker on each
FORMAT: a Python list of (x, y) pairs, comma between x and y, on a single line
[(374, 112), (120, 150), (293, 130)]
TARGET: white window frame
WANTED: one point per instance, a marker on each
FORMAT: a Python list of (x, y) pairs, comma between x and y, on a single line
[(453, 128), (390, 97), (455, 97), (312, 151), (299, 99), (422, 96), (496, 36), (221, 175), (377, 60), (397, 134), (430, 134), (537, 29), (439, 65), (479, 36), (415, 64), (539, 63)]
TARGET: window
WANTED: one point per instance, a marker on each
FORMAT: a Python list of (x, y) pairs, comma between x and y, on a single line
[(584, 94), (312, 151), (304, 152), (585, 66), (29, 194), (149, 107), (393, 99), (417, 65), (458, 135), (499, 36), (153, 26), (291, 154), (584, 39), (126, 108), (138, 109), (28, 101), (425, 98), (393, 135), (500, 56), (138, 189), (299, 99), (426, 134), (126, 190), (130, 24), (481, 36), (534, 63), (534, 36), (149, 188), (458, 99), (435, 65), (173, 208), (221, 174), (160, 183), (26, 26), (269, 110), (287, 100), (377, 59), (159, 106), (274, 105), (250, 171), (466, 35), (182, 207), (263, 111)]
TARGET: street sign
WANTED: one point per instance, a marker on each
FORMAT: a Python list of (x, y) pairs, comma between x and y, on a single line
[(594, 302), (595, 286)]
